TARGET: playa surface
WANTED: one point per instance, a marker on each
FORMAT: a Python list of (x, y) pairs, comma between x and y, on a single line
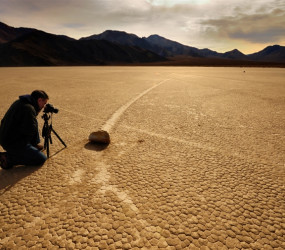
[(196, 160)]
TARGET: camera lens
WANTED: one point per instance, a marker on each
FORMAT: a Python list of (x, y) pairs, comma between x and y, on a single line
[(50, 109)]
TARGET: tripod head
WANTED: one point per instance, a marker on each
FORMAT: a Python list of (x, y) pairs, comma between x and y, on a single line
[(46, 117), (46, 127)]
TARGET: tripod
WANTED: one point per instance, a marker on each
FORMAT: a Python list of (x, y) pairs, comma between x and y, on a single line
[(46, 133)]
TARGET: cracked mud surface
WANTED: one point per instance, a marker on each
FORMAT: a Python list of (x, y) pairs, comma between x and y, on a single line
[(196, 160)]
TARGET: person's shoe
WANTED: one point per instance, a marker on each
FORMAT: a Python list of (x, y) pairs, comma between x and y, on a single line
[(4, 161)]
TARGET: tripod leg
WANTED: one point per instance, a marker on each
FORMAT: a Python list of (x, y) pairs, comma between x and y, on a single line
[(46, 145), (58, 137), (48, 150)]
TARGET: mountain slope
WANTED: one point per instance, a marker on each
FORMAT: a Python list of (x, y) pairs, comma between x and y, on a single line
[(8, 33), (235, 54), (31, 47), (155, 43), (120, 37), (162, 46), (275, 53), (168, 48), (38, 48)]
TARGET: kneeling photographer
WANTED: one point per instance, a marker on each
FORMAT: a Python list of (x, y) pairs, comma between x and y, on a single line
[(19, 134)]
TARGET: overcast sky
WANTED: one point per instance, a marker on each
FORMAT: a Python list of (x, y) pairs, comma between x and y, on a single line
[(220, 25)]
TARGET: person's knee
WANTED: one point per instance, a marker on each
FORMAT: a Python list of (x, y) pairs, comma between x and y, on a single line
[(27, 156), (41, 159), (38, 159)]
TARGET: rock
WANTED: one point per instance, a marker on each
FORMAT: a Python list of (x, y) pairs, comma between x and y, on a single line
[(99, 136)]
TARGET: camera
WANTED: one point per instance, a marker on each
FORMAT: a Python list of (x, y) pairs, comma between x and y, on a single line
[(49, 108)]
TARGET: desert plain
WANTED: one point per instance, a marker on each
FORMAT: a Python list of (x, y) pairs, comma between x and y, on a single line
[(196, 160)]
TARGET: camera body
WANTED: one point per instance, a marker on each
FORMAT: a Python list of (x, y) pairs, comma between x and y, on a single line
[(49, 108)]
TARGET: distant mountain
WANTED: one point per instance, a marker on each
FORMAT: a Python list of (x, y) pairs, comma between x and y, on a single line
[(120, 37), (37, 48), (161, 46), (210, 53), (155, 43), (275, 53), (235, 54), (31, 47), (8, 33), (168, 48)]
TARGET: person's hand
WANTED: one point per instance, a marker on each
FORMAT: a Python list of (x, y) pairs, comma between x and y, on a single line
[(39, 147)]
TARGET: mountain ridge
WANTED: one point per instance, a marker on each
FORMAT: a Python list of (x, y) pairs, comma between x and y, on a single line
[(168, 48), (32, 47), (39, 48), (8, 33)]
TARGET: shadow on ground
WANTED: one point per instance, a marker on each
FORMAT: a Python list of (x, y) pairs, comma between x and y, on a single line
[(8, 178), (96, 146)]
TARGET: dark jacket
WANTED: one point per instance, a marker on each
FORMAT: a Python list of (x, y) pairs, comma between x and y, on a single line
[(19, 126)]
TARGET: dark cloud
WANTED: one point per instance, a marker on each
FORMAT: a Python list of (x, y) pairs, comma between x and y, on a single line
[(272, 35), (260, 28)]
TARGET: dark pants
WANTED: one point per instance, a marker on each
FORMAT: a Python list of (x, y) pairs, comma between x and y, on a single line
[(28, 155)]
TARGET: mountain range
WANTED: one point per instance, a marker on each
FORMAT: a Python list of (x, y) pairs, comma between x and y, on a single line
[(31, 47)]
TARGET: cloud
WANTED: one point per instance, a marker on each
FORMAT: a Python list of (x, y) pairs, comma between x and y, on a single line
[(200, 23), (257, 28), (171, 3)]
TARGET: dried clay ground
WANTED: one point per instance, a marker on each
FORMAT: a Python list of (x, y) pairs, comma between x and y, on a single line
[(196, 160)]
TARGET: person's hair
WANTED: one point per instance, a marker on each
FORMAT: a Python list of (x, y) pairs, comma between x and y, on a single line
[(36, 94)]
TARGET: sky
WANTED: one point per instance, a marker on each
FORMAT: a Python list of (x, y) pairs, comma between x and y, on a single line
[(220, 25)]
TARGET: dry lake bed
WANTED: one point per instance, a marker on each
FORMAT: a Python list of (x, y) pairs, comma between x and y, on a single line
[(196, 160)]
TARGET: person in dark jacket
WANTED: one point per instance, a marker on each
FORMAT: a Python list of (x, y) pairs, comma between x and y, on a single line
[(19, 134)]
